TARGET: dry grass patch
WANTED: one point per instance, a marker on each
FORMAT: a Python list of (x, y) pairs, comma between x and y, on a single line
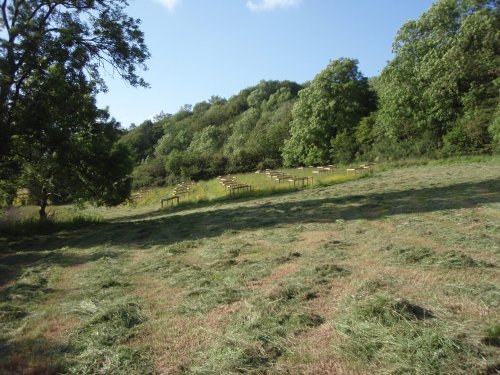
[(403, 235), (311, 353), (277, 273), (174, 342), (326, 304), (57, 329), (156, 294), (221, 313), (311, 240), (29, 364)]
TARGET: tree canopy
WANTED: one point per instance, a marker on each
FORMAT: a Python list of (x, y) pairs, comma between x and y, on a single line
[(326, 114), (441, 89), (52, 54), (438, 96)]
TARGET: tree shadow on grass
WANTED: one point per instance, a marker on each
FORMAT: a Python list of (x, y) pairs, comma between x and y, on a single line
[(217, 219), (214, 222), (32, 356), (13, 264)]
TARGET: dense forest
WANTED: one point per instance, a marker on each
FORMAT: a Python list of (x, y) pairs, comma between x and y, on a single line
[(437, 97)]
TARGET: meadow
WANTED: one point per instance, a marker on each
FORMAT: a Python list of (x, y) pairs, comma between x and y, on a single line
[(262, 185), (394, 272)]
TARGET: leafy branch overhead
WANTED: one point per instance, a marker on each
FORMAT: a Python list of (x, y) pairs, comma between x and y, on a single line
[(81, 36)]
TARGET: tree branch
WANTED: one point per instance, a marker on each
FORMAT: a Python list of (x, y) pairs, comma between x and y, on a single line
[(4, 16)]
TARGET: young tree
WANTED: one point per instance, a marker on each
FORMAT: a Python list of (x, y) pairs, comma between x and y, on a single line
[(208, 140)]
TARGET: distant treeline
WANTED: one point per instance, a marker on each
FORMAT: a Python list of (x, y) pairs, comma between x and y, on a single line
[(437, 97)]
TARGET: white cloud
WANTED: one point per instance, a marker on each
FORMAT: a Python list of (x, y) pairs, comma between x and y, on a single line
[(263, 5), (169, 4)]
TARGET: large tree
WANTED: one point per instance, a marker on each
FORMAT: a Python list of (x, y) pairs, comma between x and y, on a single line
[(441, 89), (326, 114), (68, 151), (52, 55)]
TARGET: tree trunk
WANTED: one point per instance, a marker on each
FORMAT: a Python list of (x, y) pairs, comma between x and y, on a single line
[(43, 204)]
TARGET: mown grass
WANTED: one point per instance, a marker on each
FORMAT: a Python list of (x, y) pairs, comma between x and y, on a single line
[(383, 331), (439, 161), (392, 274), (105, 318), (427, 257)]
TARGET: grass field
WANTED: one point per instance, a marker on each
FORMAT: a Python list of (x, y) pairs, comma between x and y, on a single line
[(212, 190), (396, 273)]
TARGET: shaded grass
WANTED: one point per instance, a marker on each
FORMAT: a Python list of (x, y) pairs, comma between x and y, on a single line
[(32, 226), (19, 308), (492, 336), (100, 345), (18, 301), (109, 319)]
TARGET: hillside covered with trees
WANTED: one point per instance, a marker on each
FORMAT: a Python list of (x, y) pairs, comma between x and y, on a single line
[(437, 97), (388, 264)]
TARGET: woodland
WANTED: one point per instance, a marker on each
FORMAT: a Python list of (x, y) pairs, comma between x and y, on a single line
[(437, 97)]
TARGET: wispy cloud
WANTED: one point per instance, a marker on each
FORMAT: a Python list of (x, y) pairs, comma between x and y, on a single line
[(265, 5), (169, 4)]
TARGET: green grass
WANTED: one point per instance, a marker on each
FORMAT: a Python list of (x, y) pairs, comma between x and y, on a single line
[(484, 293), (213, 191), (34, 226), (492, 336), (403, 338), (427, 257), (396, 273), (108, 319)]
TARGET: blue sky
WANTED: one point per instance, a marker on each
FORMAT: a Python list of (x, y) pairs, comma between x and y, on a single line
[(202, 48)]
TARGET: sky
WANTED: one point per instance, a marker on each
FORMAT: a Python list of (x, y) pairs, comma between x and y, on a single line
[(201, 48)]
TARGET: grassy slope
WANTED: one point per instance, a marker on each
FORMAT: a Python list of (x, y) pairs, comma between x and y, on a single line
[(397, 273)]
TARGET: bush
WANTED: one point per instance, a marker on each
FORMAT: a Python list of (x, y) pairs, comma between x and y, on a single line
[(194, 166), (470, 134), (150, 173)]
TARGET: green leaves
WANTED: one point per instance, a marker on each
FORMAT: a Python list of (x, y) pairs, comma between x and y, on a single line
[(334, 103), (51, 54), (442, 75)]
